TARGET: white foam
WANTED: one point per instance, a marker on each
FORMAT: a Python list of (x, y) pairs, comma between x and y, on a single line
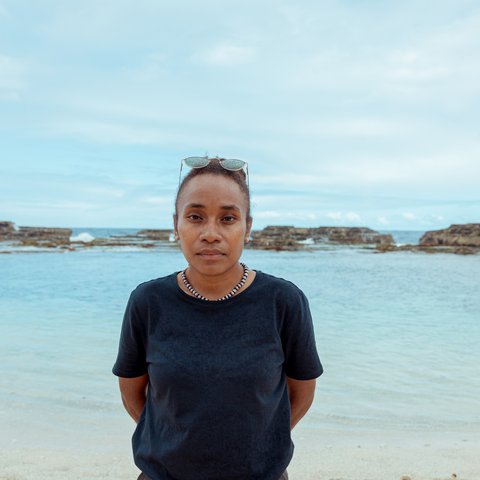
[(308, 241), (28, 248), (127, 248), (82, 237)]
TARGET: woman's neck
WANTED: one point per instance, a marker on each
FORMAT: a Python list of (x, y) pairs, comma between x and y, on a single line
[(214, 287)]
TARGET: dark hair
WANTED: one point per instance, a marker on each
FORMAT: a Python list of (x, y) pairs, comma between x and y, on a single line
[(214, 168)]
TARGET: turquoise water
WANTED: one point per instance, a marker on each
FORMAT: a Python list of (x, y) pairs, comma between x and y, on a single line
[(398, 335)]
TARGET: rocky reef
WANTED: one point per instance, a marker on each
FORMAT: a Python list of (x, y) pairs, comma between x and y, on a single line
[(61, 238), (467, 235), (150, 238), (460, 239), (35, 236), (295, 238), (162, 235)]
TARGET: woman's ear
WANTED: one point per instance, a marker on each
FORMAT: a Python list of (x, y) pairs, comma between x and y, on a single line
[(249, 229), (175, 229)]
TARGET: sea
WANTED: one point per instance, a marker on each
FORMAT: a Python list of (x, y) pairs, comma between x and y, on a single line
[(398, 335)]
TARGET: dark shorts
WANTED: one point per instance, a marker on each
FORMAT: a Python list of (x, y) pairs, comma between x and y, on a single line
[(142, 476)]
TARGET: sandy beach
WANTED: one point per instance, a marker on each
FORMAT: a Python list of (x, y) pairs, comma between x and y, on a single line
[(318, 456)]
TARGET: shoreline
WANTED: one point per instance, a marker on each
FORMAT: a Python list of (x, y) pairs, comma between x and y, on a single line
[(319, 455)]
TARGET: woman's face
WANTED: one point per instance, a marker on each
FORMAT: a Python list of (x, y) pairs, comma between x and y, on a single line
[(211, 223)]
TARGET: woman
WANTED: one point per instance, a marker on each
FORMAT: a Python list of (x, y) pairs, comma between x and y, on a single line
[(217, 363)]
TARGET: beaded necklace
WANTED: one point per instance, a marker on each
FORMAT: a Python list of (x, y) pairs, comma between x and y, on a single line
[(230, 294)]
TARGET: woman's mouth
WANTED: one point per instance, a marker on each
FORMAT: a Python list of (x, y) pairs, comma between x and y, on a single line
[(211, 253)]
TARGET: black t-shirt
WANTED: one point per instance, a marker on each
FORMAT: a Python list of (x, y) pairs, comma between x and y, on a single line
[(217, 403)]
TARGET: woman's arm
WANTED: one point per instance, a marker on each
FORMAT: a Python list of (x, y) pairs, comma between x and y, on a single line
[(301, 394), (134, 394)]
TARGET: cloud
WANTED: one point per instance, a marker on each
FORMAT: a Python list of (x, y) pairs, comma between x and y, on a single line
[(3, 9), (444, 61), (286, 180), (409, 216), (334, 215), (227, 55), (109, 132), (383, 220), (281, 217), (75, 22), (344, 108), (268, 215), (353, 217), (416, 64), (60, 205), (349, 217), (12, 73), (349, 126), (415, 73), (153, 68), (156, 200)]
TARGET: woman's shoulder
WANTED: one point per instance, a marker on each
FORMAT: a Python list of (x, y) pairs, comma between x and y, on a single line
[(160, 284), (278, 284)]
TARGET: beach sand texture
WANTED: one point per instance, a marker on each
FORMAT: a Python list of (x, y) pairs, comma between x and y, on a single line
[(342, 458)]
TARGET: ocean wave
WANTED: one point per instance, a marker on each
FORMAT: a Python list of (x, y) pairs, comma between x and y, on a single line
[(83, 237), (308, 241)]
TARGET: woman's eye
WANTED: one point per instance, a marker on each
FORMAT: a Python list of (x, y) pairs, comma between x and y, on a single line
[(229, 218), (194, 217)]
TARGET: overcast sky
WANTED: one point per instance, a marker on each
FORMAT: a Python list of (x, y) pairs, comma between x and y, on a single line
[(357, 113)]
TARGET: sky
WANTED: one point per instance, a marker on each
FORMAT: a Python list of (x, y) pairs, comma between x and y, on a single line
[(349, 113)]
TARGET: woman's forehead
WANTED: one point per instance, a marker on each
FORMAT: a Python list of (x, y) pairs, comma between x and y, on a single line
[(212, 190)]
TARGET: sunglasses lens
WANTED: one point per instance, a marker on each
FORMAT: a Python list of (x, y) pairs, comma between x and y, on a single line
[(232, 164), (196, 162)]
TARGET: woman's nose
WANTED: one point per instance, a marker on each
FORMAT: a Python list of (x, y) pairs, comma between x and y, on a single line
[(210, 232)]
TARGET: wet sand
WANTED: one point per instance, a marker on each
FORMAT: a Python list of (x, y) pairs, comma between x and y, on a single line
[(318, 456)]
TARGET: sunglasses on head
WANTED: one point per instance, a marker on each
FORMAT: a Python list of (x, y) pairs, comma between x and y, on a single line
[(231, 164)]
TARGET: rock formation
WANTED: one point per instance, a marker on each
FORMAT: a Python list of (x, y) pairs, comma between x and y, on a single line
[(155, 234), (35, 236), (60, 238), (467, 235), (7, 230), (459, 239), (293, 238)]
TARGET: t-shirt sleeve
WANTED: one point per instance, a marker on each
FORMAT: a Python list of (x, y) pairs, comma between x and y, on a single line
[(131, 359), (298, 338)]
